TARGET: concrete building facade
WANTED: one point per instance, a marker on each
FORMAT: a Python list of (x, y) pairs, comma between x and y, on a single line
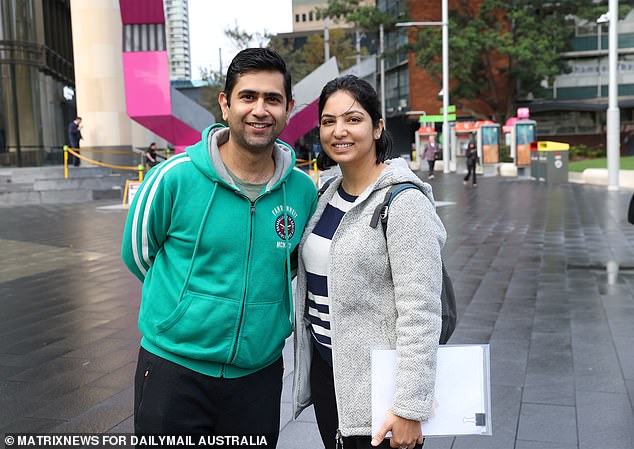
[(97, 49), (306, 17)]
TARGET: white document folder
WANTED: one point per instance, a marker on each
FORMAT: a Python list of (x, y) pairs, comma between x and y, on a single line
[(463, 390)]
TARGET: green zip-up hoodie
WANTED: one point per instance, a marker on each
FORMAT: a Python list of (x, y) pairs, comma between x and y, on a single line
[(215, 266)]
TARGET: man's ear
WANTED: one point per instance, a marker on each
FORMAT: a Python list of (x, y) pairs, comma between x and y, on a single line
[(289, 109), (224, 105)]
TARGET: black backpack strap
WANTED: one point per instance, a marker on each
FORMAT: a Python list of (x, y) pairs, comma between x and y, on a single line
[(325, 186), (382, 210), (447, 296)]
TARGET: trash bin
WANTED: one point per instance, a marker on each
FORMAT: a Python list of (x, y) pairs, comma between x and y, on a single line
[(549, 161), (536, 163)]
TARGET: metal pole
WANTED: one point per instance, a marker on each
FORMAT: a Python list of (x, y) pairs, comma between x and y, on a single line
[(382, 65), (445, 85), (357, 34), (613, 119), (326, 41), (599, 60)]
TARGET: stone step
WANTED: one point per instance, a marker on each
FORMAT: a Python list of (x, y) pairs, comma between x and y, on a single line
[(30, 174), (16, 187), (47, 185), (96, 183), (31, 197)]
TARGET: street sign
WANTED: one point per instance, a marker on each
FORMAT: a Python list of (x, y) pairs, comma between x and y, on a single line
[(436, 118)]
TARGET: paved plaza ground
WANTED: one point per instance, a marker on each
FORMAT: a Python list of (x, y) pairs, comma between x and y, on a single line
[(545, 274)]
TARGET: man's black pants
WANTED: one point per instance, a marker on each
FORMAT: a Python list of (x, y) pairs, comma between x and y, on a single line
[(172, 400), (72, 159)]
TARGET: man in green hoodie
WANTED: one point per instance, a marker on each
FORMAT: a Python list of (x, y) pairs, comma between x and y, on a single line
[(210, 234)]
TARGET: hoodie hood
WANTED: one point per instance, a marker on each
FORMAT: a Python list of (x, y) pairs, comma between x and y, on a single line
[(397, 171), (206, 157)]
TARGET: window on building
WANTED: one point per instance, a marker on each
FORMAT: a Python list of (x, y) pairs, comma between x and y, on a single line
[(303, 17), (310, 16), (296, 17)]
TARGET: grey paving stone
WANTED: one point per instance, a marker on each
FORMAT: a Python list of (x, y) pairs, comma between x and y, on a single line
[(75, 403), (521, 255), (101, 417), (53, 368), (561, 392), (547, 423), (438, 443), (629, 384), (300, 435), (605, 420), (521, 444), (508, 372), (125, 426), (30, 425), (119, 378)]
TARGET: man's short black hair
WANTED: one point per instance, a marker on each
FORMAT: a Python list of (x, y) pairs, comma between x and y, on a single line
[(252, 59)]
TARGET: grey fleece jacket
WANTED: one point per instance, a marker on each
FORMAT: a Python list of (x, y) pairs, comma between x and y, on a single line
[(384, 292)]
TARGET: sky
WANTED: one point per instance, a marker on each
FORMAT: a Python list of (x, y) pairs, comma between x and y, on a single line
[(209, 18)]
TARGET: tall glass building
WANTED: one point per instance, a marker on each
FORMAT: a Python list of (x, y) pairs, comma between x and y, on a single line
[(177, 22), (36, 81)]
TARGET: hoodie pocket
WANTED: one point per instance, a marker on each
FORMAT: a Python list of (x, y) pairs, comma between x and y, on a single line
[(264, 331), (201, 327)]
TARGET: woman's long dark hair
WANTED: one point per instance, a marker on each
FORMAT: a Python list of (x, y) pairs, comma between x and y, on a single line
[(366, 96)]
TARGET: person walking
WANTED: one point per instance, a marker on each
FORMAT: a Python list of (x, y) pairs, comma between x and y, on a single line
[(211, 235), (357, 288), (151, 156), (430, 153), (74, 136), (472, 159)]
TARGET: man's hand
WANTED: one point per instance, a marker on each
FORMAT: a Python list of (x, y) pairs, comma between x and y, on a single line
[(405, 432)]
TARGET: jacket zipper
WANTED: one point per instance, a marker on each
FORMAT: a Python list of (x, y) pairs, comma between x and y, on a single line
[(246, 287), (339, 437), (338, 440)]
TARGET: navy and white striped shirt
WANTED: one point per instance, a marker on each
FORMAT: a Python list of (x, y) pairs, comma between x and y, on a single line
[(315, 258)]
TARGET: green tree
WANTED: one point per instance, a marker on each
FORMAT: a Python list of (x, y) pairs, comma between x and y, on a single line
[(295, 62), (240, 39), (303, 60), (215, 84), (516, 43)]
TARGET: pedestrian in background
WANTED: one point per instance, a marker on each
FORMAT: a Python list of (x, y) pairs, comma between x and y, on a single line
[(151, 156), (74, 136), (472, 159), (430, 153), (211, 234), (357, 289)]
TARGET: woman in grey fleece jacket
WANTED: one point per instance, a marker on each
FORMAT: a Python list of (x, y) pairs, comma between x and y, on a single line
[(383, 290)]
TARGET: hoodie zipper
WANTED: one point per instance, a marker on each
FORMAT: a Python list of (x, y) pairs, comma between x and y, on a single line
[(246, 287)]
